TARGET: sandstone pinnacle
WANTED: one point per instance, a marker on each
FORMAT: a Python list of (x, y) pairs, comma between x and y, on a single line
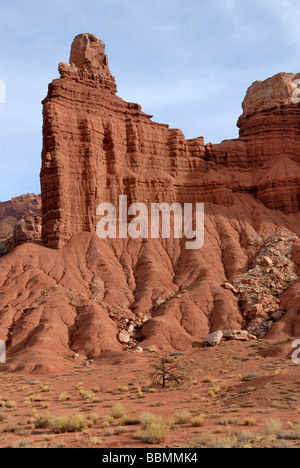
[(88, 53)]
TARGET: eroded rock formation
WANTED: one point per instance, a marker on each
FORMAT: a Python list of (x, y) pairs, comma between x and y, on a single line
[(97, 146), (20, 221), (12, 210), (91, 296), (267, 152)]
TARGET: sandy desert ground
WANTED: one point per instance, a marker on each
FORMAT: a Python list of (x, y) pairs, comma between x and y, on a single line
[(229, 396)]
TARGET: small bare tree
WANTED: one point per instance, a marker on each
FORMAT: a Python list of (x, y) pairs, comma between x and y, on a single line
[(164, 373)]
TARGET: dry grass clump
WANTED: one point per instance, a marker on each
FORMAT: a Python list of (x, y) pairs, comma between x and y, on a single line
[(210, 380), (63, 424), (42, 421), (46, 389), (273, 427), (246, 437), (93, 418), (250, 422), (223, 443), (22, 444), (12, 428), (228, 421), (34, 397), (64, 396), (94, 441), (198, 421), (128, 420), (107, 421), (123, 389), (154, 429), (182, 417), (88, 395), (296, 427), (57, 444), (216, 386), (118, 411), (5, 402)]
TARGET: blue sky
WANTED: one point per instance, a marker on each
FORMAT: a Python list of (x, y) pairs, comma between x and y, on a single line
[(187, 62)]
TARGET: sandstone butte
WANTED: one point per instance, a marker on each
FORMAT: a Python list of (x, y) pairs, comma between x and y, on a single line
[(75, 293)]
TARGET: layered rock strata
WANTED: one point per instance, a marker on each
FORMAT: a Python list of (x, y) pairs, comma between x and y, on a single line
[(93, 296), (97, 146), (20, 221)]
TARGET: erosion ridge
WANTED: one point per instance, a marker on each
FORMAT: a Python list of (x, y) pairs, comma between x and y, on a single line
[(87, 296)]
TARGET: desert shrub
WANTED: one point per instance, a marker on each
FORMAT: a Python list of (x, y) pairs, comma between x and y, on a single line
[(34, 397), (223, 386), (89, 396), (182, 417), (123, 389), (121, 430), (216, 389), (107, 421), (13, 428), (64, 397), (22, 444), (246, 437), (296, 427), (94, 441), (61, 424), (250, 422), (198, 421), (42, 421), (154, 429), (165, 373), (224, 443), (46, 389), (228, 422), (97, 389), (127, 420), (5, 402), (57, 444), (273, 427), (93, 418), (117, 411), (249, 377), (210, 380)]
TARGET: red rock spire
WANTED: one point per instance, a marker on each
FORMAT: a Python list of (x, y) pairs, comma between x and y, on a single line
[(88, 60)]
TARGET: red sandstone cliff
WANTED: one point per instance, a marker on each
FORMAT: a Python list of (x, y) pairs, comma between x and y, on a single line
[(20, 221), (10, 211), (97, 146), (78, 298)]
